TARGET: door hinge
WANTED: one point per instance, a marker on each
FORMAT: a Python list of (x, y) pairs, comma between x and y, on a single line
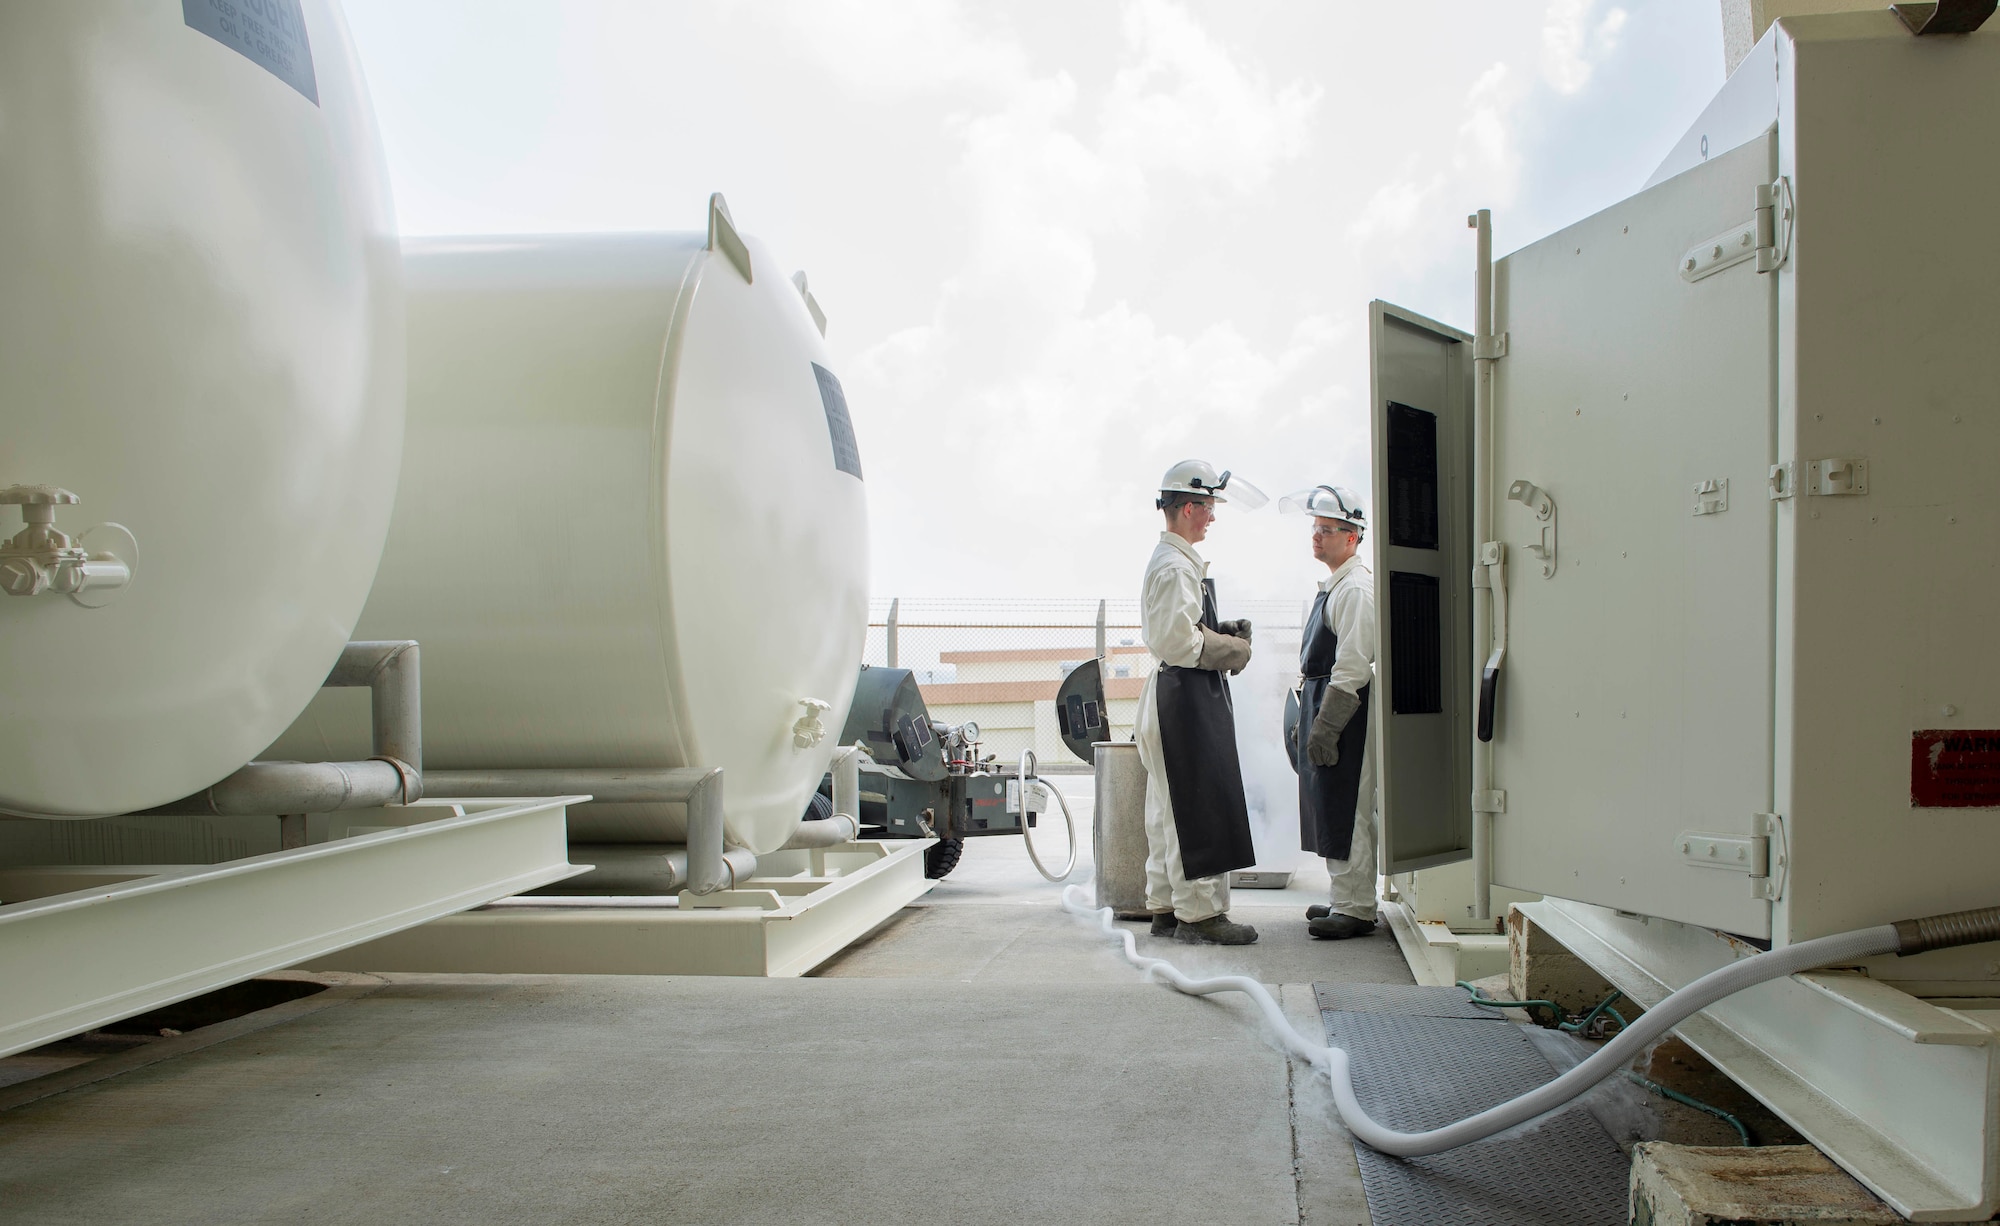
[(1759, 855), (1735, 852), (1765, 238), (1773, 220), (1771, 828), (1490, 346)]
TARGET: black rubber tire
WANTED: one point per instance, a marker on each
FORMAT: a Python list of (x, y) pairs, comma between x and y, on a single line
[(942, 857)]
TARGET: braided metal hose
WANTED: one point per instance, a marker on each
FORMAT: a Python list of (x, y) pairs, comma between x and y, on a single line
[(1914, 936)]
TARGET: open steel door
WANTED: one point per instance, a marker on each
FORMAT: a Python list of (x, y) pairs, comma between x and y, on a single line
[(1421, 381)]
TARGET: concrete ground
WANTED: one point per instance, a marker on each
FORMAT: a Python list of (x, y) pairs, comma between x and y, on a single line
[(982, 1057)]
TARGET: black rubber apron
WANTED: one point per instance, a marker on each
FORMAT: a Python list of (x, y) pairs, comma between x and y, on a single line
[(1204, 776), (1327, 794)]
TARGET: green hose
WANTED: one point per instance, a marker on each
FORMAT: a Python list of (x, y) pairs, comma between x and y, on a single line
[(1550, 1005), (1603, 1006), (1696, 1103)]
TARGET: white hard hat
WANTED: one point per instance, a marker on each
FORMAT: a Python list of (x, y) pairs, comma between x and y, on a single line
[(1199, 477), (1327, 502)]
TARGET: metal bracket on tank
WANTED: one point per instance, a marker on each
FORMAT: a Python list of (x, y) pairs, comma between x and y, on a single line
[(90, 568), (722, 236), (812, 303)]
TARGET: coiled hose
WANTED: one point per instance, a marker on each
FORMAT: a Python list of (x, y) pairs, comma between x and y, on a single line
[(1028, 779), (1937, 932)]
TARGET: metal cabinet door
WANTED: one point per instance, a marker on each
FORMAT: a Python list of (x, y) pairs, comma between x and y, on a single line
[(1421, 721), (1636, 701)]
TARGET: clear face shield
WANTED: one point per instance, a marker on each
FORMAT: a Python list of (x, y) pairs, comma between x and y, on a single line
[(1240, 492)]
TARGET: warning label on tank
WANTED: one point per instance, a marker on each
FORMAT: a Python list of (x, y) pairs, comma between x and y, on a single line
[(1951, 769), (270, 33)]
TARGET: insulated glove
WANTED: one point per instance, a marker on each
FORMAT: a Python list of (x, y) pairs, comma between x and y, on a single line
[(1335, 709), (1222, 652), (1239, 628)]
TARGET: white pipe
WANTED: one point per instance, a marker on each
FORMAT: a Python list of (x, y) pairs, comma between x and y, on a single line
[(700, 788), (394, 776), (1842, 949), (642, 869), (845, 825), (1482, 532), (846, 770)]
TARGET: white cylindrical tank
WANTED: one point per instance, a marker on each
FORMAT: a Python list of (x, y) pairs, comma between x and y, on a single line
[(201, 337), (631, 530)]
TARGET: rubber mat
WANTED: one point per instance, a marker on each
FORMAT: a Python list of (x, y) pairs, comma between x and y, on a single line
[(1424, 1057)]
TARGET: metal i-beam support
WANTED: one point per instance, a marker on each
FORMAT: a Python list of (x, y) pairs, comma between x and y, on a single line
[(89, 945)]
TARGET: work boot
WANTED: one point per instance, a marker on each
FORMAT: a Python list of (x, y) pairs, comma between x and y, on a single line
[(1216, 930), (1133, 917), (1318, 910), (1164, 923), (1339, 927)]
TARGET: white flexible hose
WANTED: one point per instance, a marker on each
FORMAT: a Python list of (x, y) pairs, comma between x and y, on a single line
[(1843, 948), (1028, 765)]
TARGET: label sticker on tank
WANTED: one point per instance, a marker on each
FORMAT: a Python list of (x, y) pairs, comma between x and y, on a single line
[(269, 33), (1953, 769), (846, 453)]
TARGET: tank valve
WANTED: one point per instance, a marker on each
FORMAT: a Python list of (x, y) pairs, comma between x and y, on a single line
[(809, 731), (89, 568)]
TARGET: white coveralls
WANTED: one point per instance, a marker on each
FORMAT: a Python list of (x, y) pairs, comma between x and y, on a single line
[(1170, 623), (1350, 614)]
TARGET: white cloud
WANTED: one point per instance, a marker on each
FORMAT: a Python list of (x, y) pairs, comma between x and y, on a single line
[(894, 51), (1185, 103), (1572, 47), (1074, 409)]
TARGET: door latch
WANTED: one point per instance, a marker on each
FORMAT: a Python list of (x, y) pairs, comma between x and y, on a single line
[(1837, 477), (1537, 499)]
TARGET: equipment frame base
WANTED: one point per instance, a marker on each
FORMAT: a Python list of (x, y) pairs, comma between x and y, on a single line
[(802, 908)]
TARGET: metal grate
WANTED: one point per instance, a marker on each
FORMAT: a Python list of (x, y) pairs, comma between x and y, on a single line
[(1422, 1062), (1411, 457), (1399, 998), (1416, 644)]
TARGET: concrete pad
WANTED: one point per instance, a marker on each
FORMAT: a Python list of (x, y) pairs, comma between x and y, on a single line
[(1330, 1189), (1776, 1185), (1042, 943), (1542, 968), (613, 1100), (995, 918)]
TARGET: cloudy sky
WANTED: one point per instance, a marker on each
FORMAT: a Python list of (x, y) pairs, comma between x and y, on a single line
[(1061, 243)]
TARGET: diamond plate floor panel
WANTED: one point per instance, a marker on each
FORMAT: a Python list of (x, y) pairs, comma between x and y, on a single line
[(1423, 1057)]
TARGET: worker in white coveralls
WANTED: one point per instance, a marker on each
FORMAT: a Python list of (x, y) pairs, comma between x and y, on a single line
[(1330, 740), (1197, 825)]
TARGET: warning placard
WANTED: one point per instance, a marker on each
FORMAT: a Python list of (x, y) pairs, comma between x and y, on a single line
[(1953, 769)]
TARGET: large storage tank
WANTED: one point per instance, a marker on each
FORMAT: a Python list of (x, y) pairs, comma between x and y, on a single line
[(201, 337), (631, 530)]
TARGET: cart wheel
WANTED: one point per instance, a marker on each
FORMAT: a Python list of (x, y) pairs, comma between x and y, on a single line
[(940, 859)]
